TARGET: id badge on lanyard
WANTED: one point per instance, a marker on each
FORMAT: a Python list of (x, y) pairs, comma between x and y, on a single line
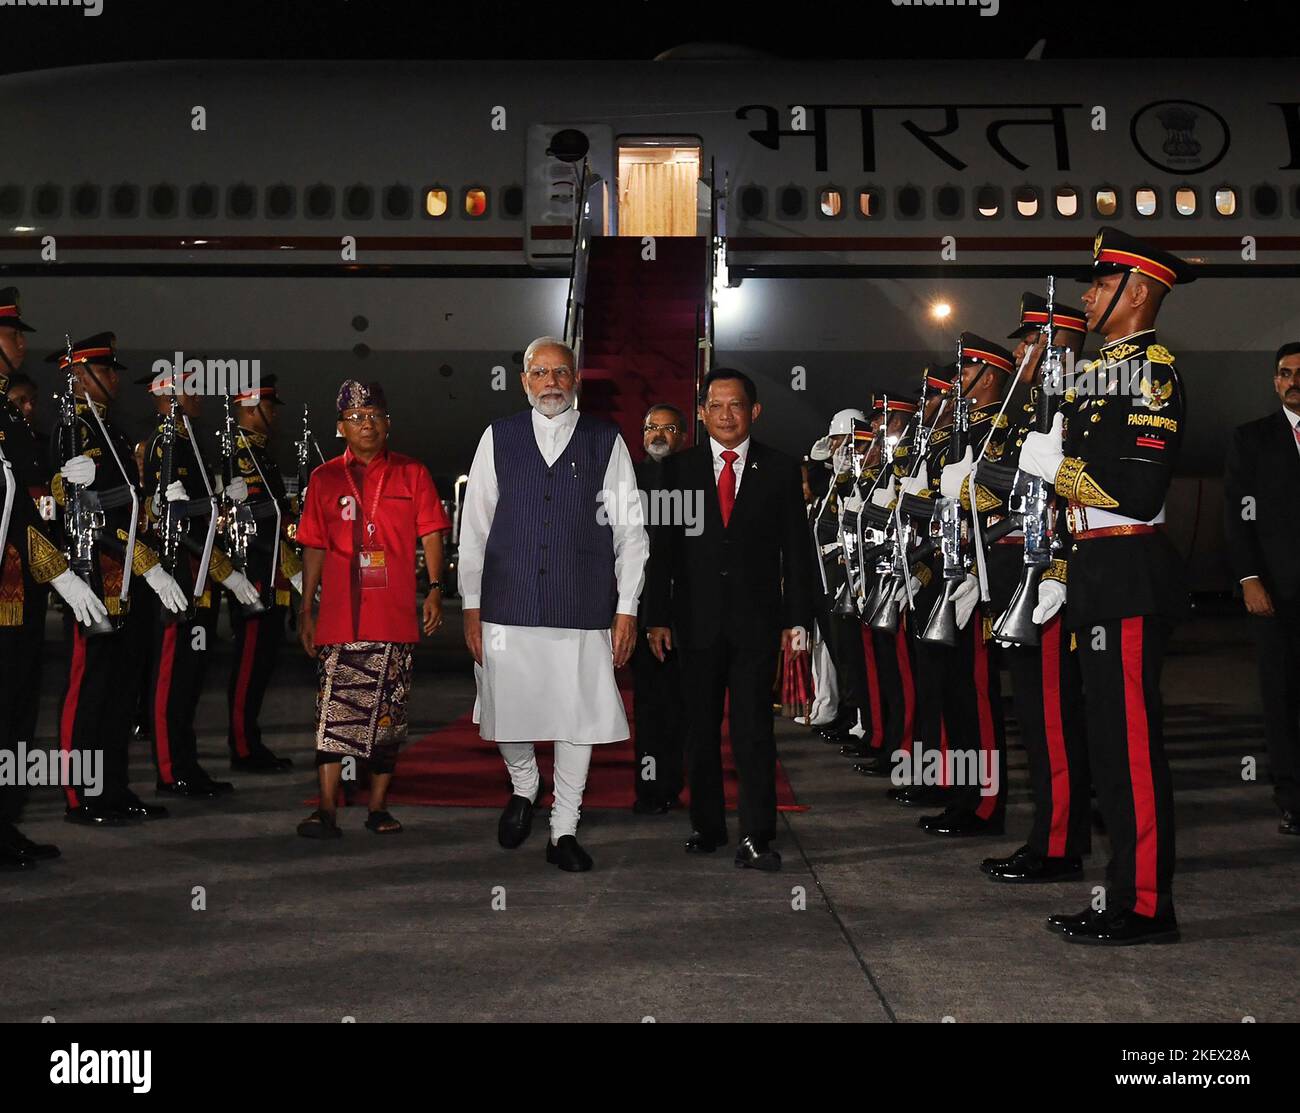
[(372, 561)]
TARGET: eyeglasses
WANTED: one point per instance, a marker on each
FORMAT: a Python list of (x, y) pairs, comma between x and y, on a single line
[(650, 427), (358, 419), (538, 374)]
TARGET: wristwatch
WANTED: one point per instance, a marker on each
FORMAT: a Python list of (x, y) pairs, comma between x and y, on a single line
[(435, 585)]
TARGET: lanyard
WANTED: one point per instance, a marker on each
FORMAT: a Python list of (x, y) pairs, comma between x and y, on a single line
[(368, 519)]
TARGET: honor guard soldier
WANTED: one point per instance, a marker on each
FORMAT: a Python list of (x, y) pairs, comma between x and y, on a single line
[(1110, 455), (103, 664), (255, 493), (1047, 689), (181, 504)]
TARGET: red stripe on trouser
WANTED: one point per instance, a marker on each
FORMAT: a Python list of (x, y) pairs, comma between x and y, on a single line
[(1139, 770), (68, 719), (1058, 763), (909, 693), (943, 752), (873, 690), (988, 741), (237, 713), (161, 694)]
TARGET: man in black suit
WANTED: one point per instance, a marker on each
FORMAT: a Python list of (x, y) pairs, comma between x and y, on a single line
[(730, 594), (657, 684), (1261, 517)]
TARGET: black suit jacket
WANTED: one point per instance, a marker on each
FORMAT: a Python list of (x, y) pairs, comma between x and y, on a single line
[(1264, 465), (749, 580)]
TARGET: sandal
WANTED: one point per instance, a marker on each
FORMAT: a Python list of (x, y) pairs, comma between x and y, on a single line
[(383, 823), (319, 825)]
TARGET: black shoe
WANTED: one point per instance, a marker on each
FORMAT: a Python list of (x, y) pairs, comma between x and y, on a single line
[(260, 761), (918, 796), (133, 807), (855, 749), (874, 766), (568, 855), (653, 807), (1027, 866), (13, 860), (1063, 922), (700, 843), (959, 822), (14, 839), (1124, 929), (200, 776), (193, 790), (516, 822), (756, 854), (87, 815), (1290, 824)]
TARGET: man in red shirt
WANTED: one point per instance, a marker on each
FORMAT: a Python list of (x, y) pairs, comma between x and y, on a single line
[(364, 512)]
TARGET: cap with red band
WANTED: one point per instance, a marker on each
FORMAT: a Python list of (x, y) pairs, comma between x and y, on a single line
[(975, 349), (11, 314), (1114, 252), (1033, 316), (100, 348)]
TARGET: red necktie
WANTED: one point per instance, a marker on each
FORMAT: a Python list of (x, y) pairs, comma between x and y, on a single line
[(727, 485)]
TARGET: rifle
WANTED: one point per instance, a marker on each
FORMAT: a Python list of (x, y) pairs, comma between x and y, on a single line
[(237, 523)]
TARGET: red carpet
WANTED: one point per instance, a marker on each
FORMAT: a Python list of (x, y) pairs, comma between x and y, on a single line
[(454, 768)]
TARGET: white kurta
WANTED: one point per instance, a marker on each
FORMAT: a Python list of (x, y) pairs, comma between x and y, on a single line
[(541, 683)]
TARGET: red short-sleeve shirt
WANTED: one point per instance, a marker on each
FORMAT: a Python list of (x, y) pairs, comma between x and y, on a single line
[(408, 509)]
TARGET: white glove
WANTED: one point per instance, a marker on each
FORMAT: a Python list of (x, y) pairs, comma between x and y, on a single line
[(1041, 454), (1051, 597), (954, 475), (85, 604), (176, 491), (241, 587), (900, 593), (79, 470), (296, 581), (966, 598), (821, 449), (883, 496), (919, 482), (167, 589), (841, 459), (238, 489)]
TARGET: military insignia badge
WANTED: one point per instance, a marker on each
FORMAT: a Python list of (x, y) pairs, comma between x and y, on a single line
[(1120, 351), (1155, 395), (1158, 353)]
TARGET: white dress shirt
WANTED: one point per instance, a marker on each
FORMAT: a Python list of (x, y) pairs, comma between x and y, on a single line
[(541, 683)]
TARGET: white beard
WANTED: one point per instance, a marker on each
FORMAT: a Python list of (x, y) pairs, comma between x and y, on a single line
[(551, 406), (660, 451)]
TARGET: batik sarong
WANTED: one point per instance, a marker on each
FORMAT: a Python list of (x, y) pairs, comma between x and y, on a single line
[(361, 700)]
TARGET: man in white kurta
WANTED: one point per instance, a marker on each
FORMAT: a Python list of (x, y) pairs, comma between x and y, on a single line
[(535, 682)]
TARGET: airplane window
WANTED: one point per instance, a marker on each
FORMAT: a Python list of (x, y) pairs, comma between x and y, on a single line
[(791, 201), (47, 200), (1225, 201), (1026, 201), (1144, 201), (357, 202), (831, 203), (124, 200), (203, 200), (512, 201), (162, 200), (1266, 200), (435, 201), (871, 202), (11, 200), (1106, 201), (279, 200), (947, 201), (909, 202), (1067, 201), (1185, 201), (85, 200), (397, 202), (320, 201), (241, 201), (988, 202), (751, 202), (476, 202)]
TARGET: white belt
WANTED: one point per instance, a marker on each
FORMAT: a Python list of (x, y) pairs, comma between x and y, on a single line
[(1083, 518)]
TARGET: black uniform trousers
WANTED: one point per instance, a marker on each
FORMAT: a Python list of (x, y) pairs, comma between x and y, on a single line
[(181, 651), (95, 716), (891, 656), (20, 675), (1047, 694), (976, 726), (258, 641), (1277, 640), (1121, 661), (934, 683), (844, 639), (745, 672), (659, 717)]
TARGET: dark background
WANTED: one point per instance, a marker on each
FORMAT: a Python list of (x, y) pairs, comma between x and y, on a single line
[(128, 30)]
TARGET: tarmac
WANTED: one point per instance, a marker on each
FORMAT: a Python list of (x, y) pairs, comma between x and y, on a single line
[(221, 913)]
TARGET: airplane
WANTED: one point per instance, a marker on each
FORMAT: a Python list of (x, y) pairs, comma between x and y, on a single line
[(828, 227)]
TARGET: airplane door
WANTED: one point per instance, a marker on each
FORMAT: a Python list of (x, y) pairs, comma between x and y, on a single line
[(552, 192)]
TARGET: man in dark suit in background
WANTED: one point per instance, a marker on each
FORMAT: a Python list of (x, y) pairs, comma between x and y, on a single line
[(1261, 517), (730, 594), (657, 684)]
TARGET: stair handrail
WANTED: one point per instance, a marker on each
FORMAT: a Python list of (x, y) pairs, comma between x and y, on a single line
[(578, 263), (704, 320)]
